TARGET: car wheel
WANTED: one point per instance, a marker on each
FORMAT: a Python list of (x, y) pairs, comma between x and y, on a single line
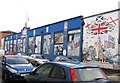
[(5, 77)]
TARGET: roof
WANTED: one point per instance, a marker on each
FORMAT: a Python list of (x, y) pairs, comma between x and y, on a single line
[(71, 65), (13, 56), (11, 32)]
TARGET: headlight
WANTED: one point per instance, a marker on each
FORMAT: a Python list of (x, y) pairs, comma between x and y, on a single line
[(11, 70)]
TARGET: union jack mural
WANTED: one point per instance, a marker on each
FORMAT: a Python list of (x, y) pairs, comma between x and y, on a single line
[(101, 25)]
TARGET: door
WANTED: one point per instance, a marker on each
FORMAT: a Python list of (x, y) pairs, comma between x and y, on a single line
[(41, 74)]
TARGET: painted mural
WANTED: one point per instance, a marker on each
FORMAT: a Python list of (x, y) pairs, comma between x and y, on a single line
[(58, 43), (38, 44), (100, 37), (47, 42), (24, 44), (19, 45), (14, 49), (7, 46), (31, 44), (74, 43)]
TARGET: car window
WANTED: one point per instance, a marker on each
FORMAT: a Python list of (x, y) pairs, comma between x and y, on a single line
[(39, 57), (57, 58), (58, 73), (44, 70), (16, 61), (63, 59), (89, 74)]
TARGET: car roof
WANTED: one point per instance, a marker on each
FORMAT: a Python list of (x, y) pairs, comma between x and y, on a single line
[(14, 56), (72, 65)]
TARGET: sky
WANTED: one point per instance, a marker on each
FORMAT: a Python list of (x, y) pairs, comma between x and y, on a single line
[(14, 13)]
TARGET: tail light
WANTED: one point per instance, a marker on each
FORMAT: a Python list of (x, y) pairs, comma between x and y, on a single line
[(73, 75)]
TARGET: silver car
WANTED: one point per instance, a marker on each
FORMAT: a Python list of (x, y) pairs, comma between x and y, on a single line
[(37, 59)]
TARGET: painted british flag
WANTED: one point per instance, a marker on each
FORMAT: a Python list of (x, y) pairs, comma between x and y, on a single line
[(101, 25)]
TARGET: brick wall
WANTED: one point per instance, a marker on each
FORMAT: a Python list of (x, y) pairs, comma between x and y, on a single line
[(2, 35)]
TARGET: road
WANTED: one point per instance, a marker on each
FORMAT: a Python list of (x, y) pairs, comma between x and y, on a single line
[(113, 75)]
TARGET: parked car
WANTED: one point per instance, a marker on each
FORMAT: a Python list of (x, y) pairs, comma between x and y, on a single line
[(67, 59), (24, 55), (37, 59), (9, 53), (66, 72), (116, 61), (15, 68)]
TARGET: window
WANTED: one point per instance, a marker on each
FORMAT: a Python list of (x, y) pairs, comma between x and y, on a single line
[(44, 70), (16, 61), (88, 74), (58, 43), (58, 73), (74, 43), (47, 42)]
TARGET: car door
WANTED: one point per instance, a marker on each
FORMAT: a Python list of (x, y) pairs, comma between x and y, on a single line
[(57, 74), (40, 74)]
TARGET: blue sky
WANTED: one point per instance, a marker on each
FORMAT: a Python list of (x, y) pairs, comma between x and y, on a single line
[(42, 12)]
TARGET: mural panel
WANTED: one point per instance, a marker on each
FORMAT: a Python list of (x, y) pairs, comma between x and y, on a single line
[(100, 38), (47, 42), (74, 43), (38, 44)]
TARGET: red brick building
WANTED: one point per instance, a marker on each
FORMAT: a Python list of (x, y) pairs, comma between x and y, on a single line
[(3, 34)]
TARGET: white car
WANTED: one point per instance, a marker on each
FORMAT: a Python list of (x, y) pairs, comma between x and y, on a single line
[(24, 55), (37, 59)]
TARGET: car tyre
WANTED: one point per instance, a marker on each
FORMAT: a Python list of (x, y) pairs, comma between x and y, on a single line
[(5, 78)]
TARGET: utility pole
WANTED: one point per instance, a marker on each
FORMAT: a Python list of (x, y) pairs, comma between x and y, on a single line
[(119, 21), (119, 28), (0, 40)]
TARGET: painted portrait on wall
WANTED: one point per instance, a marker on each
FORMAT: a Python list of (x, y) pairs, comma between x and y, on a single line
[(47, 42), (38, 44)]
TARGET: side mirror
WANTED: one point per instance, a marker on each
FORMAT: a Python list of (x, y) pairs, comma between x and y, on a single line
[(32, 73), (3, 63)]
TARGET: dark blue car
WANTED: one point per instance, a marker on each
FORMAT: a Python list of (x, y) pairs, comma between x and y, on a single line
[(66, 72), (15, 68)]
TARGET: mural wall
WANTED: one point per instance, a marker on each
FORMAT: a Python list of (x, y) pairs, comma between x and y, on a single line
[(100, 37)]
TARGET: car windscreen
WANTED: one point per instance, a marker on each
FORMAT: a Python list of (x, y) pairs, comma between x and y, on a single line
[(73, 60), (39, 57), (16, 61), (90, 74)]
